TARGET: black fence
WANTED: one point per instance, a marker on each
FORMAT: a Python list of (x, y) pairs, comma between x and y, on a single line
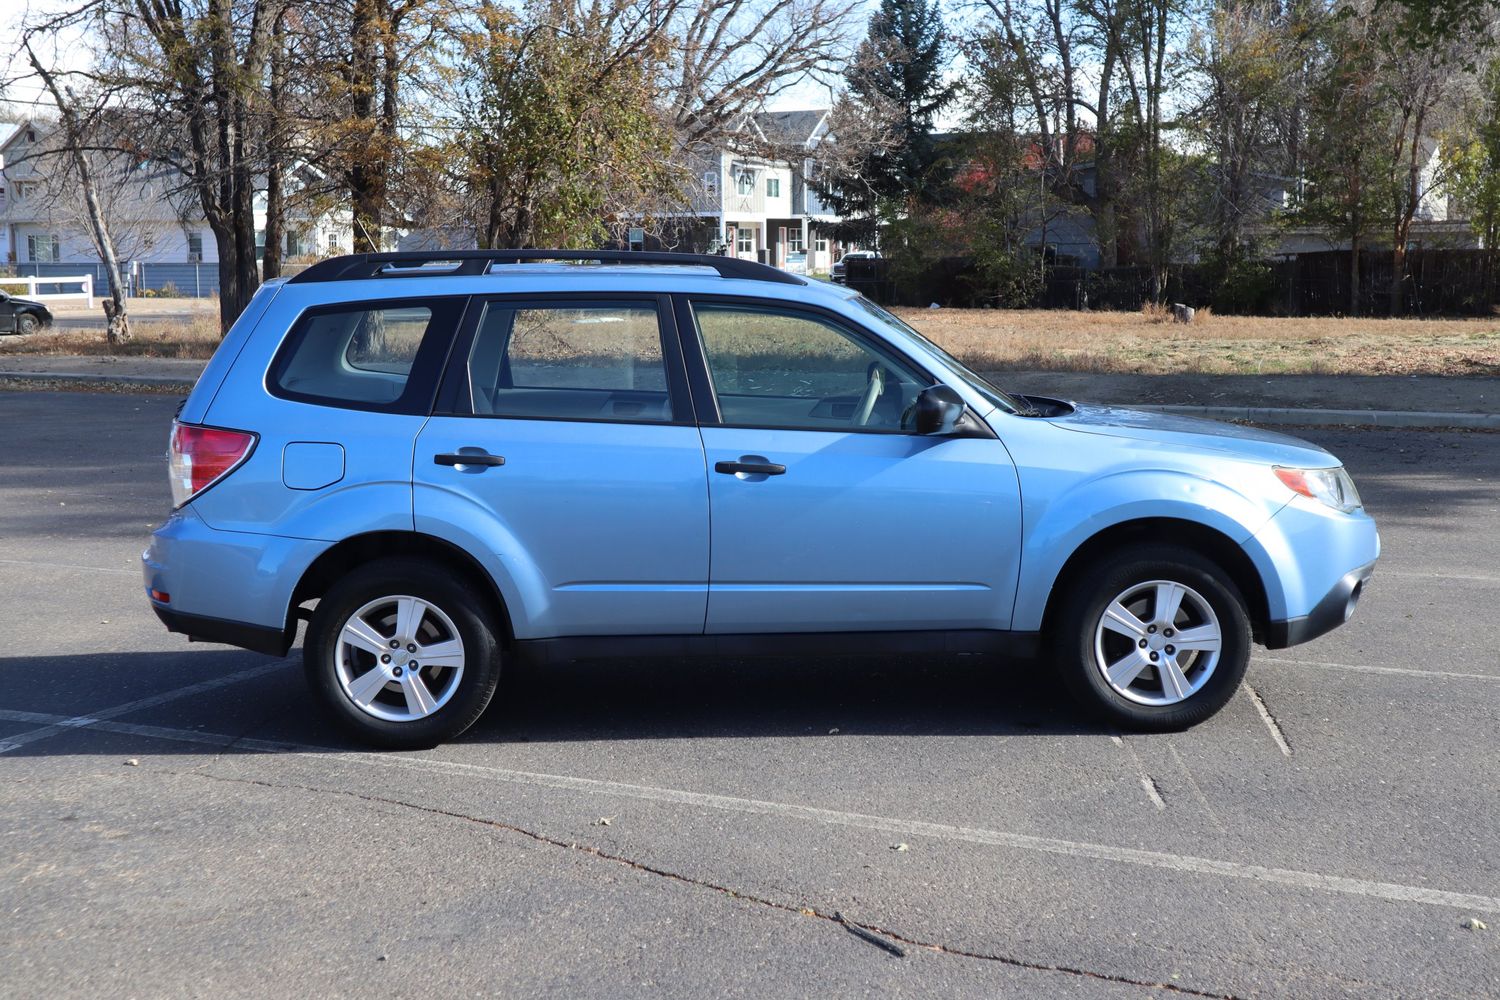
[(1436, 282)]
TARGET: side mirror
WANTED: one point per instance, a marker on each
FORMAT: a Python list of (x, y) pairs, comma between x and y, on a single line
[(938, 410)]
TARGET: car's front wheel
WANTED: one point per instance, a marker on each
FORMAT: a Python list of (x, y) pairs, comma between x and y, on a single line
[(404, 657), (1153, 638), (27, 323)]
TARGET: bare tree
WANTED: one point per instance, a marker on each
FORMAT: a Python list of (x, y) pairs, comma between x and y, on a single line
[(733, 57), (1248, 64), (117, 321), (191, 76), (1068, 60)]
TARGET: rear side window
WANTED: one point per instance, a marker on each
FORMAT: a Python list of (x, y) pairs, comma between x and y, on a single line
[(368, 355), (583, 361)]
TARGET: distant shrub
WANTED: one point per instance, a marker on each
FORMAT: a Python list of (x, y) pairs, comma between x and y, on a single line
[(1245, 287)]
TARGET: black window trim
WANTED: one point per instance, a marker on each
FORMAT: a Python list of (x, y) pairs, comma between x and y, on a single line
[(454, 399), (705, 397), (427, 365)]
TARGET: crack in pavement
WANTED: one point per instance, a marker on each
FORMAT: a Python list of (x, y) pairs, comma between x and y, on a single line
[(833, 917), (1186, 864)]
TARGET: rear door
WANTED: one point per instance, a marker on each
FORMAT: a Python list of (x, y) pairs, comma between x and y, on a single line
[(565, 445), (829, 513)]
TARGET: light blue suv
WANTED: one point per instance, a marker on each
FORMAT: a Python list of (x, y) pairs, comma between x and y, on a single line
[(445, 462)]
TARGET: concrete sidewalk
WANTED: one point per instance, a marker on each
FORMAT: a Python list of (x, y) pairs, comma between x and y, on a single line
[(1305, 400)]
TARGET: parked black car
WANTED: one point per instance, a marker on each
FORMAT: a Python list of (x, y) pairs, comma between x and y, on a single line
[(22, 315)]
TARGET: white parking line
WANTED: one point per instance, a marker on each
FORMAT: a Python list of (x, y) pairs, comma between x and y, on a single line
[(1187, 864), (1265, 716), (61, 724), (1370, 669), (44, 564), (1419, 575), (1148, 783)]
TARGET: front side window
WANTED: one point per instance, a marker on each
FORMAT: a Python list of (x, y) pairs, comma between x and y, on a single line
[(581, 361), (773, 367), (368, 356)]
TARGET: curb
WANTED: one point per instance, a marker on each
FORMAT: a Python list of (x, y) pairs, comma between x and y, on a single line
[(1290, 416), (1337, 418), (98, 378)]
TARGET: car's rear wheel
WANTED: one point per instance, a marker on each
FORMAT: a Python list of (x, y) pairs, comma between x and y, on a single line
[(27, 323), (1153, 638), (403, 656)]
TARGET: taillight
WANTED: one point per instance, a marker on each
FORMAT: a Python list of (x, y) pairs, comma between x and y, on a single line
[(201, 456)]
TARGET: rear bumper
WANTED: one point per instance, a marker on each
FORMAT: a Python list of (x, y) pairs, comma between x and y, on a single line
[(201, 628), (1333, 610), (226, 586)]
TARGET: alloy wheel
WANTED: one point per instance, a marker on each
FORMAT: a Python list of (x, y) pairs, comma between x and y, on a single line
[(1157, 643), (399, 658)]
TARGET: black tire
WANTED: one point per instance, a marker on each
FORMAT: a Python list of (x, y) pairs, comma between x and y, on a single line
[(1084, 603), (470, 618), (26, 323)]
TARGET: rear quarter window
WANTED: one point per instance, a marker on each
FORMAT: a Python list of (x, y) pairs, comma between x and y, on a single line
[(383, 356)]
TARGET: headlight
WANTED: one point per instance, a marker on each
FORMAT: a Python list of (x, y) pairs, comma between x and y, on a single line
[(1330, 486)]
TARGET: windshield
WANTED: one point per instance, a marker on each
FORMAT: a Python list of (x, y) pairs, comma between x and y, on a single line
[(971, 378)]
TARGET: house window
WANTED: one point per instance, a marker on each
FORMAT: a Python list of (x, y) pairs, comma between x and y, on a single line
[(745, 182), (794, 240), (637, 238), (333, 243), (746, 241), (195, 247), (44, 249), (773, 187), (821, 244), (31, 135), (710, 182), (293, 243), (23, 190)]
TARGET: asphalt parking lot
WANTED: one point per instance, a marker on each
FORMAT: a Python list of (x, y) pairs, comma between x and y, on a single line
[(177, 820)]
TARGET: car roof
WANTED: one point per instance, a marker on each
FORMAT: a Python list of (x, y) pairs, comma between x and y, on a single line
[(396, 276)]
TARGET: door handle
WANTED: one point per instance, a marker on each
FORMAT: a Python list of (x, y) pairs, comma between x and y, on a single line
[(749, 468), (469, 458)]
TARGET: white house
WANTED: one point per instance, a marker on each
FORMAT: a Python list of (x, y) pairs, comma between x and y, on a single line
[(159, 231), (761, 206)]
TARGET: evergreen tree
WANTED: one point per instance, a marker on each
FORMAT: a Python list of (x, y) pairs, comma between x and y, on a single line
[(897, 78)]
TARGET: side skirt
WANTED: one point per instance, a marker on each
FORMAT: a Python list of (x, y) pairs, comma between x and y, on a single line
[(1017, 645)]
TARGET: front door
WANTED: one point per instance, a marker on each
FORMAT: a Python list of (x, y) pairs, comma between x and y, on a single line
[(569, 453), (828, 513)]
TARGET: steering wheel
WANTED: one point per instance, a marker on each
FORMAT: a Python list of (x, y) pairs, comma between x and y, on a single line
[(873, 390)]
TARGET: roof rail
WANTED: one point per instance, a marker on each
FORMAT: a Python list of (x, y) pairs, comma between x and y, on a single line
[(471, 262)]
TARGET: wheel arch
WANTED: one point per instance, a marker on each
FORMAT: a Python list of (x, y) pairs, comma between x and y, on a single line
[(358, 550), (1210, 542)]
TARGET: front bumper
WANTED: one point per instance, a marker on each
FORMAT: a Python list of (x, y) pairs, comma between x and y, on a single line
[(1328, 614)]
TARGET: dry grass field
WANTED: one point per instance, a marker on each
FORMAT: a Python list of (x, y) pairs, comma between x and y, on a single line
[(992, 340)]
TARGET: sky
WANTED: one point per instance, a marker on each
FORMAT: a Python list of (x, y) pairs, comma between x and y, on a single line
[(71, 51)]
